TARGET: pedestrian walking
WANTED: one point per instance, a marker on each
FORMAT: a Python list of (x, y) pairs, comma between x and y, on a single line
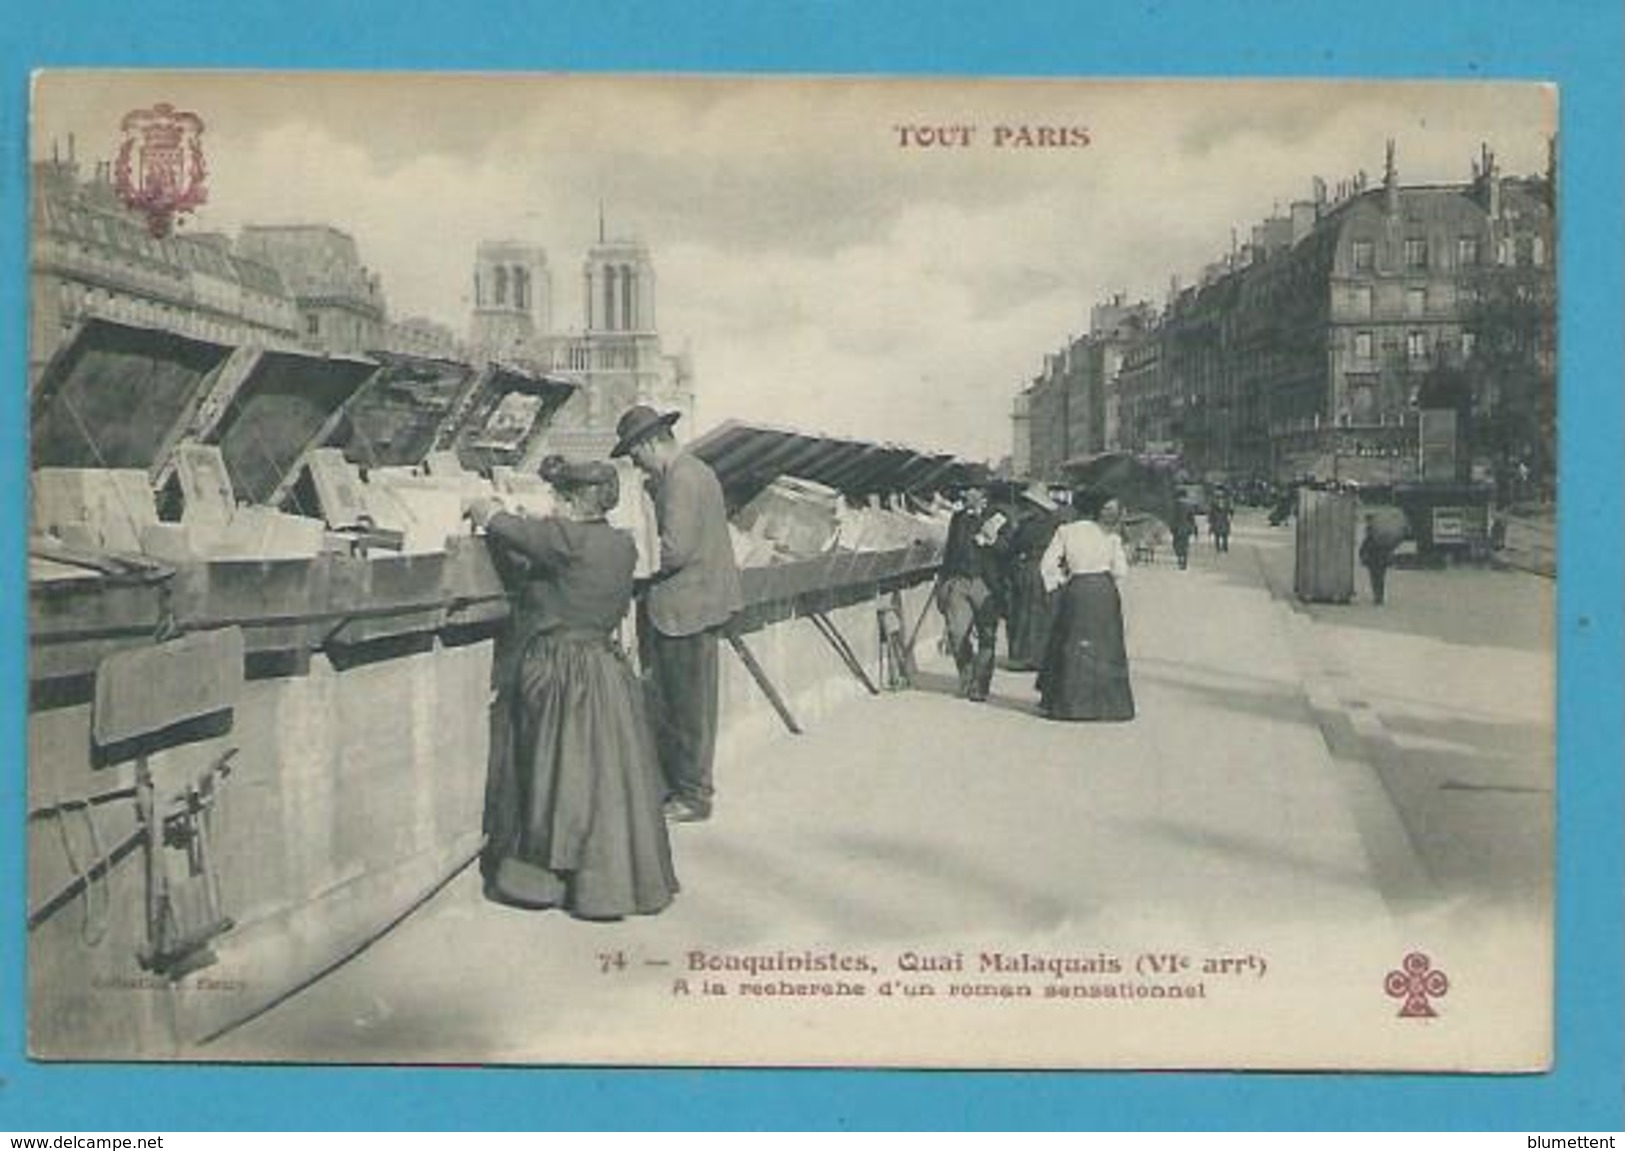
[(1184, 530), (1376, 553), (691, 597), (1086, 671), (573, 802), (1218, 522)]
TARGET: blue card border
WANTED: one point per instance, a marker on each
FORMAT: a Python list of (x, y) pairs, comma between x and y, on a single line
[(1575, 43)]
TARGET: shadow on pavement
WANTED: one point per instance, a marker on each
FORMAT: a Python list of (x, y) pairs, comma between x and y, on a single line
[(985, 898), (1235, 848), (790, 882), (934, 683), (1279, 705)]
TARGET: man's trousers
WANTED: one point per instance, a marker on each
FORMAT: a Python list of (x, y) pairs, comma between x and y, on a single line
[(680, 676)]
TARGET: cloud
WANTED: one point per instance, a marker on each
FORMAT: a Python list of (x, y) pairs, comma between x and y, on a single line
[(823, 275)]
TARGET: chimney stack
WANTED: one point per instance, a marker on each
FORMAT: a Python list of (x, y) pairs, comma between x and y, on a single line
[(1390, 183), (1492, 181), (1303, 219)]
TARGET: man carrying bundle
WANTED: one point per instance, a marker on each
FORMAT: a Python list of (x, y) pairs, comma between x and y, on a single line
[(1383, 534)]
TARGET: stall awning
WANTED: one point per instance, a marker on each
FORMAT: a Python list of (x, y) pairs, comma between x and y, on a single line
[(117, 396), (748, 457), (1139, 483)]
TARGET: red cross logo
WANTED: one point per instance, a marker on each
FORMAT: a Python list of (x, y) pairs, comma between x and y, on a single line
[(1417, 982)]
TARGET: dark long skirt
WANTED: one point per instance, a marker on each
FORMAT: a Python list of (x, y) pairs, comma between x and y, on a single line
[(1032, 610), (1085, 674), (573, 805)]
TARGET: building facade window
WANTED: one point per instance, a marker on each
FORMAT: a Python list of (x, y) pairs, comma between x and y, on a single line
[(1362, 299), (1365, 255), (1416, 301), (1468, 339), (1467, 251), (1364, 346), (1416, 253), (313, 325), (1416, 346)]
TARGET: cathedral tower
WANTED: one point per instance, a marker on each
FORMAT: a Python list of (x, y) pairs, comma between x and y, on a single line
[(513, 298), (619, 287)]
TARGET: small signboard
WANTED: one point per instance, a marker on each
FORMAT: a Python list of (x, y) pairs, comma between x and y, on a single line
[(1449, 525)]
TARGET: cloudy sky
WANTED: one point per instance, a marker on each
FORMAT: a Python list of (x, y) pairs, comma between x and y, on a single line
[(825, 275)]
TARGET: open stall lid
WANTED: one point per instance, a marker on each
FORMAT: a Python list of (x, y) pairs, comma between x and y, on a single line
[(118, 396), (285, 403), (749, 457), (399, 415), (501, 419)]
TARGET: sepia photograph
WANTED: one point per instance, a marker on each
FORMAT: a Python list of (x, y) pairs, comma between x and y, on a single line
[(568, 569)]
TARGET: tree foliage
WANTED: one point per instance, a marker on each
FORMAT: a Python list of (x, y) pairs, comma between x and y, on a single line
[(1512, 368)]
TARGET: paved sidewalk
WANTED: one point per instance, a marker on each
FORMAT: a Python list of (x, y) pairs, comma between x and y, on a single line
[(1451, 688), (918, 821)]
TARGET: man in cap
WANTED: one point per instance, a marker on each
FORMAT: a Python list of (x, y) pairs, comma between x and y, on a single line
[(966, 588), (694, 592)]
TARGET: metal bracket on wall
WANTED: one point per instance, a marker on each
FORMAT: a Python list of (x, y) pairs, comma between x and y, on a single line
[(830, 632), (760, 676)]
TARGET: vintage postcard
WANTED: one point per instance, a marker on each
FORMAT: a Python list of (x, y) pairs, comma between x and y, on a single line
[(762, 571)]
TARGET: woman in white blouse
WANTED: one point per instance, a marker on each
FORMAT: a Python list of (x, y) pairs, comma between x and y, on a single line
[(1085, 674)]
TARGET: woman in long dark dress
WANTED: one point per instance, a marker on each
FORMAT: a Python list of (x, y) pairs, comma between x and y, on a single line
[(572, 815), (1032, 605), (1086, 674)]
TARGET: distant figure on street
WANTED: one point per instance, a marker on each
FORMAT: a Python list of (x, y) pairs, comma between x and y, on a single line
[(693, 594), (1086, 674), (1218, 522), (1498, 531), (1112, 518), (1184, 529), (573, 802), (1285, 501), (967, 592), (1376, 553)]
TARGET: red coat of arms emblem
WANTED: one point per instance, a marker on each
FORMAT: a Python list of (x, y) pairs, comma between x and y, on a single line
[(160, 170)]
